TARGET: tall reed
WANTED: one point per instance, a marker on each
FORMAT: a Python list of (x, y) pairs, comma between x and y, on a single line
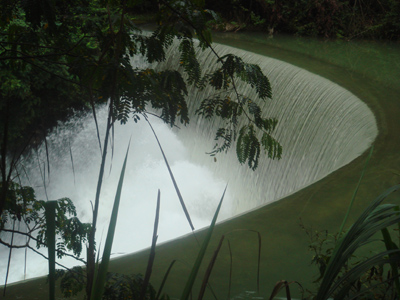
[(99, 284)]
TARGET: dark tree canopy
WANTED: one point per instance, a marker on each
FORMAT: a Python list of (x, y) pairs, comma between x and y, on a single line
[(346, 19), (57, 57)]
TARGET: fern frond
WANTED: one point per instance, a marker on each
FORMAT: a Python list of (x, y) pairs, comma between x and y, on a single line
[(225, 108), (122, 109), (207, 107), (231, 64), (253, 75), (250, 73), (226, 136), (153, 47), (269, 124), (248, 147), (188, 60), (218, 79), (271, 146)]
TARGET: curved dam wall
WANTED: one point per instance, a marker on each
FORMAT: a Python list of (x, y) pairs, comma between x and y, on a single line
[(321, 127)]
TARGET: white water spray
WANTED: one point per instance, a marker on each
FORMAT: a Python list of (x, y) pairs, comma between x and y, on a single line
[(146, 173)]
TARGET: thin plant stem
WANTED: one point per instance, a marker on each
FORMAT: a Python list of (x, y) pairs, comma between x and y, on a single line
[(9, 261), (355, 191), (152, 256)]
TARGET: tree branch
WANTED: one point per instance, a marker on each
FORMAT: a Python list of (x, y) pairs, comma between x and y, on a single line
[(218, 57), (36, 240)]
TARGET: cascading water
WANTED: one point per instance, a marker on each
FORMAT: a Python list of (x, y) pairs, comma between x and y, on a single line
[(321, 128)]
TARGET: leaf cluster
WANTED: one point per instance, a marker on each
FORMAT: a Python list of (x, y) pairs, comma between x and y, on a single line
[(344, 275), (121, 286), (19, 204), (72, 281), (230, 105), (118, 286), (22, 206)]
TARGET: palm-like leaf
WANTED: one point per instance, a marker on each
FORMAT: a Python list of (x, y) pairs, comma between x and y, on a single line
[(376, 217)]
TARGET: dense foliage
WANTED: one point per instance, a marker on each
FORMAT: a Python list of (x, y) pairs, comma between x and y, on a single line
[(23, 207), (348, 273), (61, 56), (326, 18), (118, 286)]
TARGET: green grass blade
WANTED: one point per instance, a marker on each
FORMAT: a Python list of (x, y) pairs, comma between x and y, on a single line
[(165, 279), (398, 225), (72, 163), (50, 211), (278, 287), (9, 260), (259, 253), (209, 269), (200, 256), (355, 191), (258, 262), (230, 270), (172, 178), (346, 281), (373, 219), (152, 255), (96, 267), (98, 287), (95, 118), (91, 238), (392, 246)]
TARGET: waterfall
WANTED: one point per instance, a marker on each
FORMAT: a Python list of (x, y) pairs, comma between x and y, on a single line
[(321, 127)]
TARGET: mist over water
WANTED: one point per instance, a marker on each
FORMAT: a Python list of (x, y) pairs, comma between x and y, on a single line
[(146, 172), (321, 128)]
